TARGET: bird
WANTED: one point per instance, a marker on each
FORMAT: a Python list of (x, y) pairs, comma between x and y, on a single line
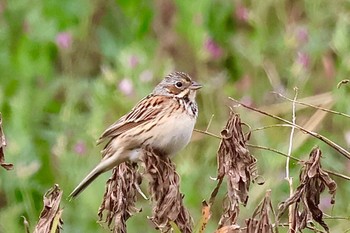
[(164, 121)]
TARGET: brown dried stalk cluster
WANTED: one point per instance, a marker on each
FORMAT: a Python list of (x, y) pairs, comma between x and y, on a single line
[(238, 165), (306, 198), (50, 217), (7, 166), (260, 220), (121, 194), (164, 187)]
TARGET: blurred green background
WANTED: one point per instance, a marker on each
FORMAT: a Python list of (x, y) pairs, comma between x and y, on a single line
[(70, 68)]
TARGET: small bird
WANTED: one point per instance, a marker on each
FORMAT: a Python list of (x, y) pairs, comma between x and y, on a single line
[(163, 120)]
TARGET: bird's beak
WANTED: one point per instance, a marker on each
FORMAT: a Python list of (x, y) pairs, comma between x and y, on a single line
[(195, 86)]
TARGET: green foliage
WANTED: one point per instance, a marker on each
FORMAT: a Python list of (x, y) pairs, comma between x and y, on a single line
[(63, 64)]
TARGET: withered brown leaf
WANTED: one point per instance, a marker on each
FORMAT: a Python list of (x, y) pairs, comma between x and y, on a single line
[(205, 217), (120, 197), (238, 165), (121, 194), (260, 220), (164, 188), (50, 217), (7, 166), (306, 198)]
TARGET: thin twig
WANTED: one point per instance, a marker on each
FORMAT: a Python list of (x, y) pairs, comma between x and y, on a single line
[(291, 137), (336, 217), (207, 133), (270, 126), (329, 142), (312, 106), (308, 227), (273, 150), (288, 178), (209, 123), (276, 151)]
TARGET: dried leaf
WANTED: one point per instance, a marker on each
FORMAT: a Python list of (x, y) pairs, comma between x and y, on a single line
[(26, 225), (120, 197), (260, 220), (306, 197), (205, 217), (238, 165), (343, 82), (229, 229), (7, 166), (164, 185), (50, 218)]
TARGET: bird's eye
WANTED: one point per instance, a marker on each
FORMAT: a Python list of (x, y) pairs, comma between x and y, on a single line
[(178, 84)]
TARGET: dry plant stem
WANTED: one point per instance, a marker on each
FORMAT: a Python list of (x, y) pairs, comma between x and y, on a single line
[(121, 194), (306, 198), (261, 217), (296, 159), (238, 166), (164, 186), (207, 133), (26, 225), (274, 150), (316, 135), (7, 166), (50, 217), (288, 178), (312, 106), (119, 200)]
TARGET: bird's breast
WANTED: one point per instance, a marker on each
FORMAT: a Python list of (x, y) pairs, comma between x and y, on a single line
[(174, 133)]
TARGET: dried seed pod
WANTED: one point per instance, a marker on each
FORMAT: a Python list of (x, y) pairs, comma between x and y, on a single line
[(120, 197), (7, 166), (50, 217), (260, 220), (164, 188), (306, 197), (238, 165)]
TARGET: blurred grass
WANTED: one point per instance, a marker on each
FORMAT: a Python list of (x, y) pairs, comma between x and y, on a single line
[(63, 62)]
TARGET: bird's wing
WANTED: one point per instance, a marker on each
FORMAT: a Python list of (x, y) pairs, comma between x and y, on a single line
[(147, 109)]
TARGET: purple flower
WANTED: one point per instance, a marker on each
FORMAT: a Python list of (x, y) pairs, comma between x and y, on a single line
[(213, 48), (133, 61), (302, 35), (146, 76), (64, 40), (126, 86), (80, 148), (303, 59), (242, 13)]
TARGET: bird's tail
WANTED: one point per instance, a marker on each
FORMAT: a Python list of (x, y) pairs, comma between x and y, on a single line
[(106, 164), (85, 182)]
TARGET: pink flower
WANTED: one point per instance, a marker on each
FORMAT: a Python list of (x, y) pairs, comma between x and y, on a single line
[(213, 48), (303, 59), (302, 35), (126, 86), (64, 40), (146, 76), (80, 148), (242, 13), (133, 61)]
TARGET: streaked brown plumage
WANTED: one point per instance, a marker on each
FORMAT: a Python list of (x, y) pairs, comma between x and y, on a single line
[(164, 121)]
